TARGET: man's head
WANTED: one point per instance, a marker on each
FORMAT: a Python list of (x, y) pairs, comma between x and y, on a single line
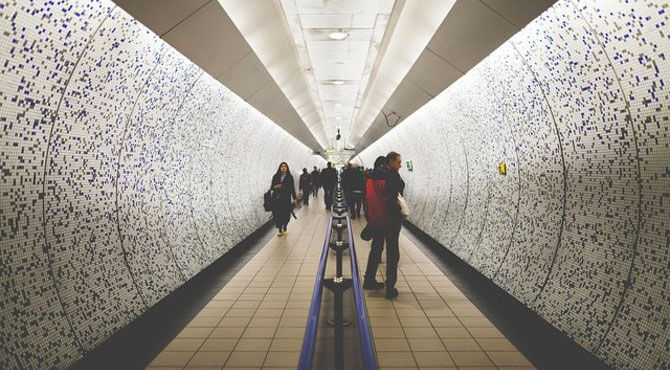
[(329, 165), (314, 168), (394, 161)]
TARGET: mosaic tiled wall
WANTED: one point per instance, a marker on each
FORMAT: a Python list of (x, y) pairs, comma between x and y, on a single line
[(577, 105), (125, 171)]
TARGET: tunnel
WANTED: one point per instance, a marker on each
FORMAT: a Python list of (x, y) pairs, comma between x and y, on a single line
[(141, 140)]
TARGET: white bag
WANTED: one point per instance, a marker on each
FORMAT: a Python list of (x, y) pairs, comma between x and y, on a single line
[(404, 209)]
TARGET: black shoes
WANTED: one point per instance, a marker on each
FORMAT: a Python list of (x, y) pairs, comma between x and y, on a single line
[(391, 293), (372, 284)]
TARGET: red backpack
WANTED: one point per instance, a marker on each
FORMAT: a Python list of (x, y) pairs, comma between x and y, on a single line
[(377, 204)]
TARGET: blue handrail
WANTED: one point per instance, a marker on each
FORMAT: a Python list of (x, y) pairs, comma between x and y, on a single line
[(368, 351), (307, 354)]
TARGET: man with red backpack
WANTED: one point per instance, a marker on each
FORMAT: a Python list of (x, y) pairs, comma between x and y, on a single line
[(384, 220)]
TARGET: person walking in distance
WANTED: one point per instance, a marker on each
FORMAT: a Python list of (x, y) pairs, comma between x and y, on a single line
[(305, 185), (329, 181), (383, 213), (283, 190), (357, 186), (316, 181)]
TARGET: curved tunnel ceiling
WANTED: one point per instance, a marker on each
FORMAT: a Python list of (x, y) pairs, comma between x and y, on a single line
[(263, 64)]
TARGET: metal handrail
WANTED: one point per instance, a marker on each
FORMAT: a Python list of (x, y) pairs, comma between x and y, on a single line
[(307, 354), (368, 351)]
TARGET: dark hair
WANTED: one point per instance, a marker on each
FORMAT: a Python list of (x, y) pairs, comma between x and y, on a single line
[(379, 162), (288, 169), (304, 170), (392, 156), (329, 164)]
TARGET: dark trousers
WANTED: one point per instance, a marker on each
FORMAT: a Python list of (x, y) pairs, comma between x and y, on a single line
[(305, 196), (315, 190), (328, 196), (356, 199), (389, 234)]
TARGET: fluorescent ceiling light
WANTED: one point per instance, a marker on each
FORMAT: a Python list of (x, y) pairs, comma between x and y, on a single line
[(338, 35), (337, 82)]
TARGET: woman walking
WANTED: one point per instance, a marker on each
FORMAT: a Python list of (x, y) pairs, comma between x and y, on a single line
[(283, 190)]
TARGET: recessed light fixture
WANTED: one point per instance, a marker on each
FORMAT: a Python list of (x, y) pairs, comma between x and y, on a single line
[(339, 35), (338, 105), (337, 82)]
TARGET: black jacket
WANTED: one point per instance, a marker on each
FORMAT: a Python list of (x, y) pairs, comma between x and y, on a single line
[(394, 186), (288, 188), (329, 177), (305, 182)]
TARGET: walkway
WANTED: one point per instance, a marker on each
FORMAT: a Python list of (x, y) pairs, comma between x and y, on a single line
[(258, 319)]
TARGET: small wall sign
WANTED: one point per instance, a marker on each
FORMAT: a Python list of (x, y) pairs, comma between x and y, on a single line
[(502, 168), (410, 166)]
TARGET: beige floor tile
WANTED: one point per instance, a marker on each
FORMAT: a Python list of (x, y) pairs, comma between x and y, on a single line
[(259, 332), (288, 359), (396, 359), (167, 358), (382, 312), (261, 322), (496, 344), (286, 345), (453, 333), (476, 322), (246, 359), (289, 332), (184, 344), (245, 304), (293, 322), (204, 322), (438, 312), (470, 359), (253, 345), (384, 321), (509, 359), (391, 344), (409, 312), (486, 332), (269, 312), (227, 332), (461, 344), (192, 332), (388, 332), (208, 359), (234, 321), (437, 359), (425, 344), (445, 322), (415, 322), (420, 333), (218, 345), (239, 312)]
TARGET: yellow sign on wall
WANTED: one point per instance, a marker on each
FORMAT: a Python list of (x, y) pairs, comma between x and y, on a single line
[(502, 168)]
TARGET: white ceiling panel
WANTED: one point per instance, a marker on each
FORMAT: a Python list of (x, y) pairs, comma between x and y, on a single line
[(326, 20)]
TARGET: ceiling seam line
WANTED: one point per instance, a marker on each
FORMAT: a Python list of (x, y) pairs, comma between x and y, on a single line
[(183, 19), (518, 28)]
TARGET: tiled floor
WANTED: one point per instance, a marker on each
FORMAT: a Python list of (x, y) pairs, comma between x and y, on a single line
[(431, 324), (258, 319)]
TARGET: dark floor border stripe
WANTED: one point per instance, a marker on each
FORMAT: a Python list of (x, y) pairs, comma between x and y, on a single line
[(543, 344), (135, 345)]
